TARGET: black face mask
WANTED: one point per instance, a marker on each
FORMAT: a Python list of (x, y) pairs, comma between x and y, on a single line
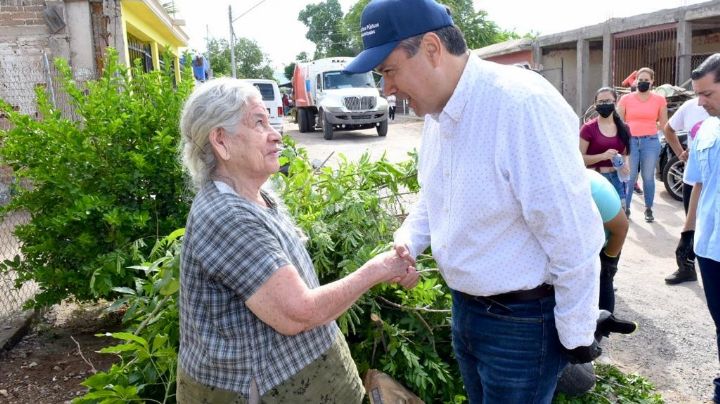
[(605, 110), (643, 86)]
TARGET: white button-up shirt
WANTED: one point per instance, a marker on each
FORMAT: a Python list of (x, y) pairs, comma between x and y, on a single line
[(504, 202)]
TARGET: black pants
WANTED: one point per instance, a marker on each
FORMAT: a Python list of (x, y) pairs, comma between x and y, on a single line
[(391, 113), (687, 190), (710, 272)]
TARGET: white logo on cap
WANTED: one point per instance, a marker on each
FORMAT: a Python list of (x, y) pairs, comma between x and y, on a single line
[(369, 29)]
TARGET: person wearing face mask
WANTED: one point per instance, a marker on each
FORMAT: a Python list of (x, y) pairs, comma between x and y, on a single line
[(604, 137), (645, 113)]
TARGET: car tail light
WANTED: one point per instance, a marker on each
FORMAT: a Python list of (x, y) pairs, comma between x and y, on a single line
[(280, 111)]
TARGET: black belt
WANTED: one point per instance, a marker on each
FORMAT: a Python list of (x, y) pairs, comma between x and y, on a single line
[(539, 292)]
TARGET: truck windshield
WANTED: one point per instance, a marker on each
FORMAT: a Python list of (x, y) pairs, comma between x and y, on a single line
[(338, 79)]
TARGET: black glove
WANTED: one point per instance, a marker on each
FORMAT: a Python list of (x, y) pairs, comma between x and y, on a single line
[(584, 354), (608, 264), (684, 251), (607, 323)]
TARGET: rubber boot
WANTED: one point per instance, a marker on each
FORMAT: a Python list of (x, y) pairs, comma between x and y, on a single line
[(686, 273)]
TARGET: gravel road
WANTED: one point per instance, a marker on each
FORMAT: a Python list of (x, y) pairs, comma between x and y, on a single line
[(675, 344)]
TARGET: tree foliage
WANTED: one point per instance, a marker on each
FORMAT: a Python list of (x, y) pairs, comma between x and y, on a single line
[(96, 182), (290, 69), (250, 61), (478, 30), (327, 29), (352, 21)]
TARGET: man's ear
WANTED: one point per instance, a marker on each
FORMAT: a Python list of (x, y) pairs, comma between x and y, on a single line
[(432, 46), (218, 140)]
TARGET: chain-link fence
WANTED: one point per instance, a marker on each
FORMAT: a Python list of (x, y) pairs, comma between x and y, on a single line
[(19, 78), (12, 299)]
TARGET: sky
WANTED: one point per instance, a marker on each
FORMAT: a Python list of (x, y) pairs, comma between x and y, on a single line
[(274, 25)]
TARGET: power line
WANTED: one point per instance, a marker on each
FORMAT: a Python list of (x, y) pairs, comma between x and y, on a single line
[(249, 10)]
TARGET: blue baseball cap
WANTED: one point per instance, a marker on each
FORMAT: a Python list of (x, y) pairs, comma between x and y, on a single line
[(385, 23)]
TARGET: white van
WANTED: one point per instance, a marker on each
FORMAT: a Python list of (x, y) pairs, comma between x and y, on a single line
[(273, 100)]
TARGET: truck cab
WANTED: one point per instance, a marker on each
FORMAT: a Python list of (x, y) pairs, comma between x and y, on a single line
[(327, 98)]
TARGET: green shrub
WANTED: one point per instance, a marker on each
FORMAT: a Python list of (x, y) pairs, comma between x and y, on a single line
[(349, 214), (98, 181), (148, 352), (613, 386)]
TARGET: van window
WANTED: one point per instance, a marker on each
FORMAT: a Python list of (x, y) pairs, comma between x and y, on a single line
[(266, 90)]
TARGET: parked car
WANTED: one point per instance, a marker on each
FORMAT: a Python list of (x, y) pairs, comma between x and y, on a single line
[(272, 99), (670, 168)]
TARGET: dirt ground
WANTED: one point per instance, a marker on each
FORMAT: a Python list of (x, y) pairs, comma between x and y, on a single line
[(45, 367)]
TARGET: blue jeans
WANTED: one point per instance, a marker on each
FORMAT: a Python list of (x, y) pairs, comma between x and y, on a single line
[(619, 185), (508, 353), (644, 155), (710, 273)]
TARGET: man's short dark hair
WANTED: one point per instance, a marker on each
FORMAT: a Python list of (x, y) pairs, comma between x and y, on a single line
[(709, 65), (451, 37)]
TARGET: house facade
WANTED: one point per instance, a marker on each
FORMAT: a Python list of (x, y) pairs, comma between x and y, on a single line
[(672, 42), (35, 32)]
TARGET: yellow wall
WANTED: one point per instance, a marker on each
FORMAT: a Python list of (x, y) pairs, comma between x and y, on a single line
[(140, 21)]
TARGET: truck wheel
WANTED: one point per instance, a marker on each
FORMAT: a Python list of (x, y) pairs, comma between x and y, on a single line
[(327, 128), (310, 115), (672, 176), (382, 128), (302, 120)]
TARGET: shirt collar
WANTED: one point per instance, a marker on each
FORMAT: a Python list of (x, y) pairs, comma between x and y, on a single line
[(460, 97)]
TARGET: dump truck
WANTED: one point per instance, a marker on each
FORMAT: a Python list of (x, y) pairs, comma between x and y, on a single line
[(328, 99)]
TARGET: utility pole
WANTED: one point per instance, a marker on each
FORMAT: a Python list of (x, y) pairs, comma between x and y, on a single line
[(232, 43), (232, 33)]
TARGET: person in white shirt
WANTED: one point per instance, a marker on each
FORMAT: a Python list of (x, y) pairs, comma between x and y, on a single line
[(504, 202), (391, 99), (687, 118)]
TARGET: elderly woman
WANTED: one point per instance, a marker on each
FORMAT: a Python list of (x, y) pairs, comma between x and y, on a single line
[(255, 325)]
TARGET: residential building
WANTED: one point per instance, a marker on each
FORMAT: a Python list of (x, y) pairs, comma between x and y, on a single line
[(672, 42), (35, 32)]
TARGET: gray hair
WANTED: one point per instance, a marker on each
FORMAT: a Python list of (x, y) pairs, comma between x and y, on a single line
[(218, 103)]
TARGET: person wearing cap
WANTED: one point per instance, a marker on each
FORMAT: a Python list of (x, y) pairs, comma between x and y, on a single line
[(703, 168), (519, 251)]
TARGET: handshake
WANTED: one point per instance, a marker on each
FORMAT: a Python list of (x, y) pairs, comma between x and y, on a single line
[(397, 266)]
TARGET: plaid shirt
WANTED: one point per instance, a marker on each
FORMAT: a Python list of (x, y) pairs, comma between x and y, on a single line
[(231, 248)]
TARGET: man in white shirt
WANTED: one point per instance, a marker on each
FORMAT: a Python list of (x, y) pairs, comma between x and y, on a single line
[(504, 203), (703, 168), (391, 99), (687, 118)]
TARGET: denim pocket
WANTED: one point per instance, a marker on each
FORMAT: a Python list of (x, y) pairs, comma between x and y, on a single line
[(522, 312)]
